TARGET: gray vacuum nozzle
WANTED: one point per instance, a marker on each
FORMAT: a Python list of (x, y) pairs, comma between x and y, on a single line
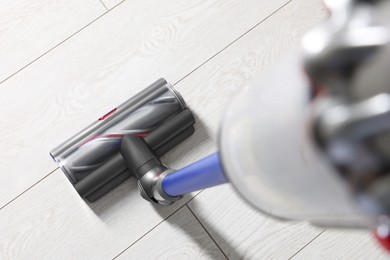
[(92, 160)]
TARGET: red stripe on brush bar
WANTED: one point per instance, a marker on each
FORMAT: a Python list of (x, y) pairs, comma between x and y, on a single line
[(107, 115)]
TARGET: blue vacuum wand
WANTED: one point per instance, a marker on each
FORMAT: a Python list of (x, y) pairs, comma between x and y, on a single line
[(202, 174)]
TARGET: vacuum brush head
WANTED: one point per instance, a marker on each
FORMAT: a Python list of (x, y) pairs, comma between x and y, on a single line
[(92, 159)]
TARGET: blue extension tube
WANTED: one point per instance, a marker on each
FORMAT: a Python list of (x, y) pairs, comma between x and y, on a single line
[(202, 174)]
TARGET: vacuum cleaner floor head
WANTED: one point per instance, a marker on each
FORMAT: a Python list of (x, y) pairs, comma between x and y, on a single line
[(92, 160)]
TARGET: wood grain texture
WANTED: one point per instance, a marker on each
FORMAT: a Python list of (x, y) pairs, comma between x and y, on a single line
[(343, 244), (179, 237), (245, 233), (50, 221), (30, 28), (103, 65)]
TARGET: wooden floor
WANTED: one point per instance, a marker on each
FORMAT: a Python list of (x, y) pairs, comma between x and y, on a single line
[(65, 62)]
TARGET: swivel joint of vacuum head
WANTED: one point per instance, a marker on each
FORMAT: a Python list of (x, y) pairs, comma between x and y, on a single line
[(146, 168)]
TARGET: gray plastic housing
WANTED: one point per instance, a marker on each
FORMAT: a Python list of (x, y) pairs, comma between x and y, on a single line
[(98, 144)]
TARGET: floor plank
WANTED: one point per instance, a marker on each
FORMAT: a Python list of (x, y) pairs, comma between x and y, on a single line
[(30, 28), (245, 233), (179, 237), (50, 221), (100, 67), (343, 244)]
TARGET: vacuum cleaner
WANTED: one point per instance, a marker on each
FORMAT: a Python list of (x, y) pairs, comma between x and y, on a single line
[(307, 141)]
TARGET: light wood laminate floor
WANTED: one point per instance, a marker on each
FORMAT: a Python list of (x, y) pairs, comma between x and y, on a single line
[(64, 63)]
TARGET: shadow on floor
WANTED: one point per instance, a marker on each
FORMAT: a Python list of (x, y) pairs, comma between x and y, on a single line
[(216, 237), (230, 251)]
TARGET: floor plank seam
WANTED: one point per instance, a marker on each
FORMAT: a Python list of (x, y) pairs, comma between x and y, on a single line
[(101, 1), (63, 41), (117, 4), (170, 215), (52, 48), (29, 188), (204, 228), (233, 42), (296, 253)]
